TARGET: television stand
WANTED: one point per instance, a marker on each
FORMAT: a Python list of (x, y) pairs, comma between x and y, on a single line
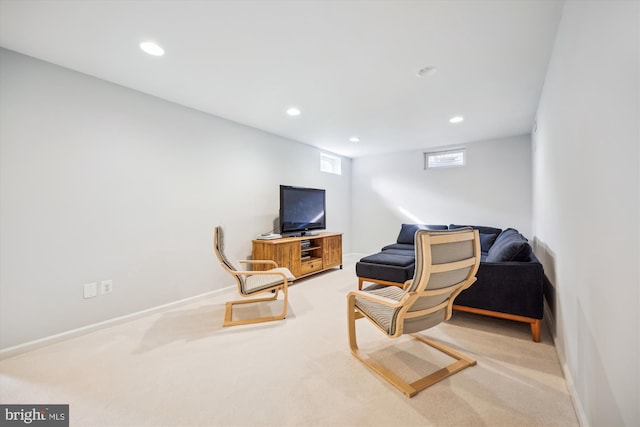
[(302, 255), (302, 234)]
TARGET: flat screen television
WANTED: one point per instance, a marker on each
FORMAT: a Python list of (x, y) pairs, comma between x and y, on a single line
[(301, 210)]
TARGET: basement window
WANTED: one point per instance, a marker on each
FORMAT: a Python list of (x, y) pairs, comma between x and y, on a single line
[(330, 164), (445, 159)]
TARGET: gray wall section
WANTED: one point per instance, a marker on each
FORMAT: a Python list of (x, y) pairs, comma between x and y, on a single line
[(102, 182), (586, 205), (494, 189)]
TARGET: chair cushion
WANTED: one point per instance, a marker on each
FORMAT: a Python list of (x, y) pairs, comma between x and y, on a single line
[(220, 249), (382, 314), (258, 282), (408, 231), (386, 316), (509, 246)]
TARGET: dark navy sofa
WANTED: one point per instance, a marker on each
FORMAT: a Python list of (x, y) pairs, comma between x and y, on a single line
[(509, 280)]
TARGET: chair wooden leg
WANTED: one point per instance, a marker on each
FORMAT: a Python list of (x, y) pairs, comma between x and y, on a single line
[(352, 316), (463, 361), (409, 389), (228, 313)]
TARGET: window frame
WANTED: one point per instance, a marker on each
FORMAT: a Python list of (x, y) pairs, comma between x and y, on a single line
[(334, 161), (428, 165)]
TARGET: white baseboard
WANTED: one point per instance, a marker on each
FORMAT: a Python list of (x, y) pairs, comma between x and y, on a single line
[(577, 406), (42, 342), (568, 378)]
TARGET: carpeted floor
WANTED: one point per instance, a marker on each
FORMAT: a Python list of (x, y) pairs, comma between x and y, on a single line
[(181, 368)]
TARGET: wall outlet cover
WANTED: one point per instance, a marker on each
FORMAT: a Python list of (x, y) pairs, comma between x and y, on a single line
[(90, 290), (106, 287)]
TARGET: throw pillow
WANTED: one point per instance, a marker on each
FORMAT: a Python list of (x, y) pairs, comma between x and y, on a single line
[(488, 235), (509, 246)]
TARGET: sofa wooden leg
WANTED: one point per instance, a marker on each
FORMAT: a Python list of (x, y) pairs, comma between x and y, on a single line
[(535, 330), (534, 323)]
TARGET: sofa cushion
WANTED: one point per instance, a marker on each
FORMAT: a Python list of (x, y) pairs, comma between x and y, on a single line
[(408, 231), (510, 245), (400, 246), (488, 235), (411, 253), (507, 287), (486, 241), (389, 273), (389, 259)]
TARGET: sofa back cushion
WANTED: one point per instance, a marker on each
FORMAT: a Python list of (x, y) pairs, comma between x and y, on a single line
[(408, 231), (488, 235), (510, 245)]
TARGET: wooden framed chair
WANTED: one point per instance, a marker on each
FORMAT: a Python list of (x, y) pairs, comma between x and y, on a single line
[(446, 264), (253, 282)]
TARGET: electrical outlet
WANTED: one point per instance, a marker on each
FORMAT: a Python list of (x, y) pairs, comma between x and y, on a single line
[(90, 290), (106, 286)]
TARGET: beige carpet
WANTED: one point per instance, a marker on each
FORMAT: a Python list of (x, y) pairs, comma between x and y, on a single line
[(181, 368)]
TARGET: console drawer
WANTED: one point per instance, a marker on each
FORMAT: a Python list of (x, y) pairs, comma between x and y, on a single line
[(311, 266)]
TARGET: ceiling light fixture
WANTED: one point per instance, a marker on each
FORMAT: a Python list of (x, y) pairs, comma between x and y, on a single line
[(426, 72), (354, 139), (293, 111), (456, 119), (152, 48)]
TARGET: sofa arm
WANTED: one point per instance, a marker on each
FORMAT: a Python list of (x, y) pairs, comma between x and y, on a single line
[(507, 287)]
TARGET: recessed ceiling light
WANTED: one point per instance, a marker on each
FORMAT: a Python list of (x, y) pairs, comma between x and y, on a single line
[(354, 139), (293, 111), (456, 119), (151, 48), (426, 71)]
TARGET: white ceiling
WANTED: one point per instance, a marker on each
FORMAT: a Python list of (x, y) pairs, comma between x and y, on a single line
[(350, 66)]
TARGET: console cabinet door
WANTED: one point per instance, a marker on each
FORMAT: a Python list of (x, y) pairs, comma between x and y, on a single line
[(284, 254), (288, 255), (332, 251)]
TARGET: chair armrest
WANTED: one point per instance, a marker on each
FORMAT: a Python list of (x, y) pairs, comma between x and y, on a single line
[(258, 261), (263, 273), (375, 298)]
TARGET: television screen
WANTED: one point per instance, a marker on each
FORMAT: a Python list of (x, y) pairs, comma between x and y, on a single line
[(301, 209)]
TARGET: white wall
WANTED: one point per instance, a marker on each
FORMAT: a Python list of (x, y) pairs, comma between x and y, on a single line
[(586, 205), (102, 182), (494, 189)]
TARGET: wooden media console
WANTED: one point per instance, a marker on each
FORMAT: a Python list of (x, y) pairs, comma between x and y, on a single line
[(303, 256)]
